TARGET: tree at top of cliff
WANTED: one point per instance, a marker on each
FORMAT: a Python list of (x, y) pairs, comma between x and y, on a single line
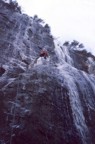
[(36, 18), (74, 43), (13, 5), (81, 45), (47, 28), (66, 43)]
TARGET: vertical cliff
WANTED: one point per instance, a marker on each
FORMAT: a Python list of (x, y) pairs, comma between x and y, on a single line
[(48, 101)]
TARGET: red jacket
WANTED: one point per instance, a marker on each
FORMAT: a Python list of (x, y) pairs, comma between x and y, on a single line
[(44, 53)]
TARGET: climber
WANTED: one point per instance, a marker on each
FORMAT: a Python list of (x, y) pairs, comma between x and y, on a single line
[(2, 70), (43, 53)]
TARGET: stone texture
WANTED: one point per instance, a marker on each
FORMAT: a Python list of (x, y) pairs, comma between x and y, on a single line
[(52, 101)]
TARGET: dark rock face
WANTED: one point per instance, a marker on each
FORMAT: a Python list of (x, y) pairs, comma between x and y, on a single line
[(43, 101), (81, 59)]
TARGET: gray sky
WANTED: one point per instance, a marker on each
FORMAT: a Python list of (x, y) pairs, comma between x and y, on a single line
[(68, 19)]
